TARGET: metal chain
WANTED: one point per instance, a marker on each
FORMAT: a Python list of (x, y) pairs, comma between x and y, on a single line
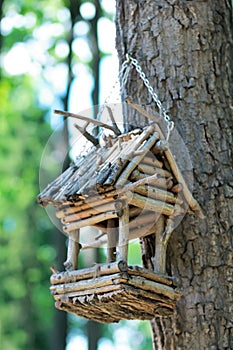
[(162, 110), (123, 77)]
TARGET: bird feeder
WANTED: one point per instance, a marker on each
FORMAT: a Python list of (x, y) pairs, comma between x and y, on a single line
[(128, 188)]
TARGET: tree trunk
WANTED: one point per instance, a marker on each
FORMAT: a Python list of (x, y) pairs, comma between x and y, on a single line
[(185, 49)]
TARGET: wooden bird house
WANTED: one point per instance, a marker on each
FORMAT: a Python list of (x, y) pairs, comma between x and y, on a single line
[(129, 188)]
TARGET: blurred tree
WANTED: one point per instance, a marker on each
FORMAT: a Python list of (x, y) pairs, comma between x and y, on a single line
[(26, 315), (185, 48)]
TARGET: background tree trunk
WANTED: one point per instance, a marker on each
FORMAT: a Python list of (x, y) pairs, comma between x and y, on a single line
[(185, 49)]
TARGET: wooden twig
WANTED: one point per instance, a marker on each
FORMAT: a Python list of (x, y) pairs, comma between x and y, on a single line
[(88, 136), (150, 170), (142, 111), (160, 182), (152, 204), (118, 132), (132, 165), (89, 212), (73, 276), (90, 221), (131, 187), (93, 121), (151, 160), (158, 193)]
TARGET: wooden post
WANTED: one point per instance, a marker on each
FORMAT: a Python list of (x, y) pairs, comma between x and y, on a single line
[(163, 231), (111, 240), (73, 249), (123, 234), (160, 247)]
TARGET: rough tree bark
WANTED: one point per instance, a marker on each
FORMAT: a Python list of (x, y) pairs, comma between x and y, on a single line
[(186, 50)]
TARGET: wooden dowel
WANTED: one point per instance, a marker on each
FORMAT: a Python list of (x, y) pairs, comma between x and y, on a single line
[(93, 121)]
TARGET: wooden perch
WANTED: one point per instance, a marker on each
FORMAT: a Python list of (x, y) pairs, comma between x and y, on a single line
[(93, 121), (86, 134)]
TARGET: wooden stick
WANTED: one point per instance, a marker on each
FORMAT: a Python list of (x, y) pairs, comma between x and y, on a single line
[(111, 240), (158, 193), (187, 194), (154, 287), (86, 134), (160, 182), (86, 284), (152, 204), (160, 247), (89, 212), (90, 221), (73, 276), (142, 111), (132, 165), (93, 121), (131, 187), (152, 161), (90, 202), (141, 271), (148, 169), (123, 234), (89, 291), (113, 120), (71, 262)]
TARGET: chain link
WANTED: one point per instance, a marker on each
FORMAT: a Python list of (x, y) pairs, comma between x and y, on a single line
[(162, 110)]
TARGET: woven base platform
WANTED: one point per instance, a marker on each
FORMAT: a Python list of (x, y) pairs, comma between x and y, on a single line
[(114, 292)]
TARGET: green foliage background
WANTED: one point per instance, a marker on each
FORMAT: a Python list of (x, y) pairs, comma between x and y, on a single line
[(26, 234)]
